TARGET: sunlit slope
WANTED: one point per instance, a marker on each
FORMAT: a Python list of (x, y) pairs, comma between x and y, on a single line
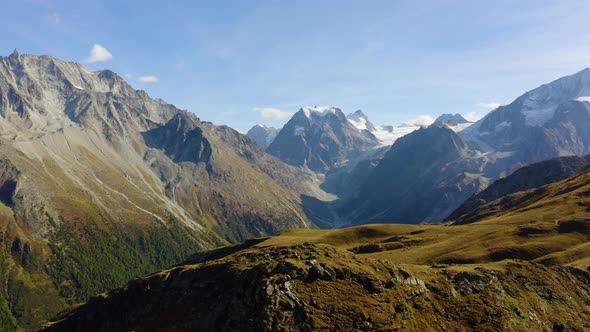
[(550, 224), (525, 266)]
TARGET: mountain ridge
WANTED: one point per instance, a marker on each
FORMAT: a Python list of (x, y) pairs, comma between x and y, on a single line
[(91, 165)]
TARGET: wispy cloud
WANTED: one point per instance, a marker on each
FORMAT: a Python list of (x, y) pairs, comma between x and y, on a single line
[(128, 76), (472, 116), (489, 106), (270, 113), (99, 53), (420, 120), (147, 79)]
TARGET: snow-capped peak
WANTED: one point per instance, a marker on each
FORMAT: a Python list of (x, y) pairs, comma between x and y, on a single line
[(539, 105), (319, 110), (360, 121)]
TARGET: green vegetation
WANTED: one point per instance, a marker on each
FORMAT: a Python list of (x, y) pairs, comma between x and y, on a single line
[(102, 261), (7, 321)]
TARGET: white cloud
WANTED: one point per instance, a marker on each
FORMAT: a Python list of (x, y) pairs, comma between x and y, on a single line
[(128, 75), (99, 54), (420, 120), (148, 79), (472, 116), (489, 106), (270, 113)]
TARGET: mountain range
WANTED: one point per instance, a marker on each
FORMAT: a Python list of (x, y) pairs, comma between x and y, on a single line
[(429, 173), (101, 184)]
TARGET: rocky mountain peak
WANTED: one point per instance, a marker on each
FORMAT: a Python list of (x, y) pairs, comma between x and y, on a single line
[(262, 134), (361, 121), (450, 119), (535, 119), (14, 54), (319, 138)]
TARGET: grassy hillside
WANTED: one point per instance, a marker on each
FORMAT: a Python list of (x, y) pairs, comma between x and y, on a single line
[(525, 266)]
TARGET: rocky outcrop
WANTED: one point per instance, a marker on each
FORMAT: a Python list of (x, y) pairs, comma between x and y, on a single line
[(322, 288)]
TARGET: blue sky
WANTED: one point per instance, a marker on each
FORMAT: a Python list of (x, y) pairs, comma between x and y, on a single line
[(246, 62)]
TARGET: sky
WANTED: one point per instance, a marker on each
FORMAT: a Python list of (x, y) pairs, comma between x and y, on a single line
[(245, 62)]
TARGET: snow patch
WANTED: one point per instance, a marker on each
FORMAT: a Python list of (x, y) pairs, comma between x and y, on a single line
[(460, 127), (387, 135), (537, 112), (584, 98), (298, 130), (502, 125), (320, 111), (360, 122)]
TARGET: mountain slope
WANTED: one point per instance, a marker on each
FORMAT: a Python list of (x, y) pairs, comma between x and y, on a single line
[(419, 179), (523, 267), (528, 177), (100, 184)]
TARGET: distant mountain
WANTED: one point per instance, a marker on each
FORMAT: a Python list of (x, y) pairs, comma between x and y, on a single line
[(528, 177), (385, 134), (319, 138), (361, 121), (549, 121), (421, 178), (263, 135), (456, 122)]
